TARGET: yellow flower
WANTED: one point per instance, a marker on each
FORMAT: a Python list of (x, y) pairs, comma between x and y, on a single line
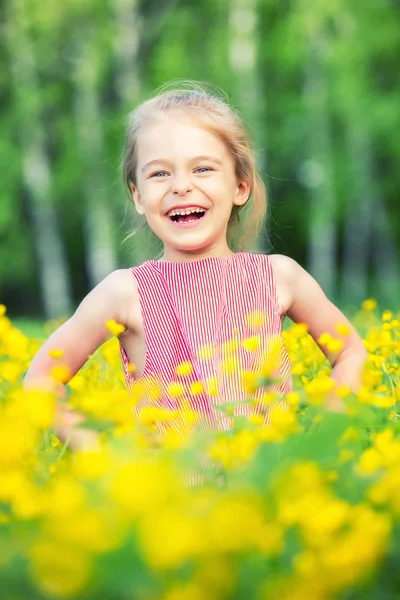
[(61, 373), (293, 399), (184, 368), (299, 330), (197, 388), (251, 344), (229, 365), (2, 310), (370, 461), (250, 379), (212, 386), (298, 369), (56, 353), (268, 398), (342, 329), (335, 345), (343, 391), (114, 327), (256, 419), (182, 538), (11, 370), (318, 388), (324, 339), (175, 389), (370, 304), (55, 442), (387, 315), (91, 465), (371, 378), (149, 415), (255, 319)]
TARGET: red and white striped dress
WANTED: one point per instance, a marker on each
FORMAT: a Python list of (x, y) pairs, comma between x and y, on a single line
[(187, 306)]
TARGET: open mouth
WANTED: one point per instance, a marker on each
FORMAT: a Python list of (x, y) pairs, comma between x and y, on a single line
[(186, 216)]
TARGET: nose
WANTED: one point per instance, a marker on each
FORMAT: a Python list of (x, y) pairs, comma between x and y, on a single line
[(181, 185)]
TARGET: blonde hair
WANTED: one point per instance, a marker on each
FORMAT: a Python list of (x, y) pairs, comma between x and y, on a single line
[(214, 113)]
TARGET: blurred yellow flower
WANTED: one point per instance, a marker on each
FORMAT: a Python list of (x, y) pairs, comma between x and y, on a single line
[(175, 389), (61, 373), (114, 327), (370, 304), (335, 345), (324, 339), (298, 369), (56, 353), (251, 344), (299, 330), (184, 368), (343, 329), (196, 388), (255, 320)]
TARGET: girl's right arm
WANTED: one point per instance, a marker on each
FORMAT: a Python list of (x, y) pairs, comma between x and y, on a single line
[(77, 339)]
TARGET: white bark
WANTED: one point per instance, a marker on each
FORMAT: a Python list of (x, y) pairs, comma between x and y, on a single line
[(358, 219), (127, 40), (318, 175), (53, 271), (98, 212), (242, 52)]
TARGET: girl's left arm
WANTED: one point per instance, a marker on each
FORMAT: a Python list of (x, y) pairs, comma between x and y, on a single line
[(305, 302)]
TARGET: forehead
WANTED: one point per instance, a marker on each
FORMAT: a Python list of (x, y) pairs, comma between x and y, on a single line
[(176, 137)]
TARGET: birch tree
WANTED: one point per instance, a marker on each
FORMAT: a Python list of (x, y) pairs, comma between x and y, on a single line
[(99, 222), (243, 59), (36, 167), (322, 229)]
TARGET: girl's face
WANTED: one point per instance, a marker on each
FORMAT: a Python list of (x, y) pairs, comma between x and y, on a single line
[(183, 168)]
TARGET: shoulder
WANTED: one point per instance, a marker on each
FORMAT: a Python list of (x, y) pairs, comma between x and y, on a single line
[(286, 272), (119, 283), (122, 289)]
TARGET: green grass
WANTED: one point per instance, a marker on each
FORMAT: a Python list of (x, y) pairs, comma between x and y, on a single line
[(33, 328)]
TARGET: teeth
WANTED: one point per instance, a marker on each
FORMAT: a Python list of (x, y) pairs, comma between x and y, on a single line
[(173, 213)]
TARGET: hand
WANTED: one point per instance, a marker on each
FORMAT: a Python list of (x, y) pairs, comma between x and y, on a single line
[(334, 403)]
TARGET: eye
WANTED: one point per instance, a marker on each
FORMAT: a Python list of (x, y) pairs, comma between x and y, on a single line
[(157, 173), (204, 169)]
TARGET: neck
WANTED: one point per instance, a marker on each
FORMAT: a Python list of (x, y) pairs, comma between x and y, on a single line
[(174, 255)]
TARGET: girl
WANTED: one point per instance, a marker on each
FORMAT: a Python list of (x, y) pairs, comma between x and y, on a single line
[(190, 169)]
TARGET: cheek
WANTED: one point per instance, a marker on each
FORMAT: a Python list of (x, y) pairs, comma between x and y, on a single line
[(151, 195)]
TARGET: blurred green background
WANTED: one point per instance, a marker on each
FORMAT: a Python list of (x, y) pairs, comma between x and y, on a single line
[(317, 83)]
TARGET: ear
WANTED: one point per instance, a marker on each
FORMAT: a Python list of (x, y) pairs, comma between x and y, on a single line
[(136, 199), (242, 193)]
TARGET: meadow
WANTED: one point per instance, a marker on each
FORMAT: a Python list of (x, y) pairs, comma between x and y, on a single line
[(306, 507)]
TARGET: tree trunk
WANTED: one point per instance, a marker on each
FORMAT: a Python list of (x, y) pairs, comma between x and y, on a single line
[(127, 43), (358, 219), (98, 212), (52, 262), (322, 245), (243, 51)]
